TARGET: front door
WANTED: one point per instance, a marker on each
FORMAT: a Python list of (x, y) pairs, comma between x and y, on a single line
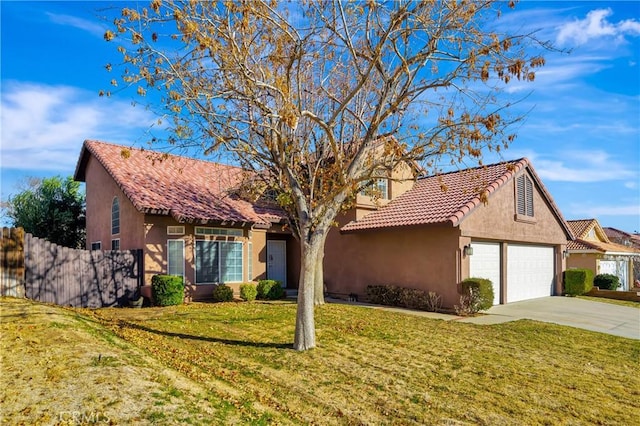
[(277, 261)]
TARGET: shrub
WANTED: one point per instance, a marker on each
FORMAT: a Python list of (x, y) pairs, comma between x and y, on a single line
[(167, 290), (222, 293), (384, 295), (469, 303), (391, 295), (577, 281), (483, 293), (433, 302), (269, 290), (606, 281), (248, 292)]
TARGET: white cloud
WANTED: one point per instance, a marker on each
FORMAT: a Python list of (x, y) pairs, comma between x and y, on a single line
[(630, 210), (80, 23), (47, 124), (595, 26), (631, 184), (580, 167)]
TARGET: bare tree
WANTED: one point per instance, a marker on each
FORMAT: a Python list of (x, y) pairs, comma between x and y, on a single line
[(322, 96)]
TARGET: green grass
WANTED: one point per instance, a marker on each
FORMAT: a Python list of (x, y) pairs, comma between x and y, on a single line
[(377, 367), (629, 303)]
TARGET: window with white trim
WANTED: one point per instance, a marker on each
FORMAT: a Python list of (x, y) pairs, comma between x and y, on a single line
[(175, 257), (115, 244), (524, 196), (202, 230), (96, 246), (115, 216), (249, 261), (175, 230), (378, 188), (218, 261)]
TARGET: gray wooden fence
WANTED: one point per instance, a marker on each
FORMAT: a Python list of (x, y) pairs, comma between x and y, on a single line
[(39, 270)]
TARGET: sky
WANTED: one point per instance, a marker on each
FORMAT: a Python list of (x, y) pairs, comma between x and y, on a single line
[(581, 133)]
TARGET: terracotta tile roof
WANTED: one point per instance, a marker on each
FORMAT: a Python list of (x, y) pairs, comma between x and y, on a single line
[(618, 235), (584, 245), (189, 190), (427, 203), (581, 227)]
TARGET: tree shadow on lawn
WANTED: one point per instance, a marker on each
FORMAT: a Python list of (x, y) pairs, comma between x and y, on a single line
[(126, 324)]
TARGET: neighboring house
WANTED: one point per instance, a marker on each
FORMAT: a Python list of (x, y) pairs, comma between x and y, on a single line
[(592, 249), (436, 232), (183, 214)]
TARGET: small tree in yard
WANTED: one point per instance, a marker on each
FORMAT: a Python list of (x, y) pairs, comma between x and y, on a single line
[(322, 96), (50, 208)]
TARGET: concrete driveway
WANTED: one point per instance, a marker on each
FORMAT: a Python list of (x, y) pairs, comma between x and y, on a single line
[(595, 316)]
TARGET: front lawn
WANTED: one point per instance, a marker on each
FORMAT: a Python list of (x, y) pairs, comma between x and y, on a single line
[(377, 367), (234, 364)]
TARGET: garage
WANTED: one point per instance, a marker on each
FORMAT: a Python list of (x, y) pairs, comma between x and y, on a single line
[(530, 269), (485, 263), (530, 272)]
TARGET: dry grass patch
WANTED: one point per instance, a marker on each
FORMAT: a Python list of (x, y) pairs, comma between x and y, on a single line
[(629, 303), (61, 367), (377, 367)]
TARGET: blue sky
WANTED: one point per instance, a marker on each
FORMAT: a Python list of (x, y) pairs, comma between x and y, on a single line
[(582, 133)]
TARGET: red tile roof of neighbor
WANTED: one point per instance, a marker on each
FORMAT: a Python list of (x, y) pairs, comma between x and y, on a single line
[(581, 229), (427, 202), (189, 190)]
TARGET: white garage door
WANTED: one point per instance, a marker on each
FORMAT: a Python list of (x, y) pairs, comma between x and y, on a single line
[(530, 272), (485, 263)]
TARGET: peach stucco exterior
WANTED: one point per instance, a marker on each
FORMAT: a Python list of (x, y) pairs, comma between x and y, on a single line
[(431, 257), (149, 233)]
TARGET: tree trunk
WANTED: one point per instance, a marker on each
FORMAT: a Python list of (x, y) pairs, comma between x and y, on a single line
[(318, 298), (305, 334)]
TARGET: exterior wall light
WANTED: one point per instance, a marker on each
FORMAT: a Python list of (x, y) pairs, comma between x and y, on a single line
[(468, 250), (565, 254)]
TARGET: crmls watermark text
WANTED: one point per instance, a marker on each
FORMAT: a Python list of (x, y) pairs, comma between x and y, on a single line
[(83, 417)]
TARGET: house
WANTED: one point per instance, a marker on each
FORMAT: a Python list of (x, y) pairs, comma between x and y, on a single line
[(428, 233), (184, 215), (592, 249), (434, 233)]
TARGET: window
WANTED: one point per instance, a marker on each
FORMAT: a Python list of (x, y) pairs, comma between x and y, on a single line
[(200, 230), (231, 261), (377, 188), (218, 261), (96, 246), (249, 261), (115, 216), (524, 188), (175, 257), (115, 244), (207, 261), (175, 230)]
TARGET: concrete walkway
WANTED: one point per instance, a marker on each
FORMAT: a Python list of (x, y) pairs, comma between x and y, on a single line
[(586, 314)]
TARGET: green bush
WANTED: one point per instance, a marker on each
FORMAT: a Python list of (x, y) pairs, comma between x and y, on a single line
[(384, 295), (222, 293), (484, 289), (269, 290), (606, 281), (167, 290), (577, 281), (248, 292)]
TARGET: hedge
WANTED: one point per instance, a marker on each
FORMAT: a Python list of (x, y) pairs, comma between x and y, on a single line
[(222, 293), (248, 292), (606, 281), (577, 281), (484, 288), (167, 290), (270, 290)]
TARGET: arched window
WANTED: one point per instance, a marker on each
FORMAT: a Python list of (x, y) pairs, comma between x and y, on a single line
[(115, 216)]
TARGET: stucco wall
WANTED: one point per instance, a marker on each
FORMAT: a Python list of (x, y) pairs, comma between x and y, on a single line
[(422, 257), (496, 220), (100, 190)]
